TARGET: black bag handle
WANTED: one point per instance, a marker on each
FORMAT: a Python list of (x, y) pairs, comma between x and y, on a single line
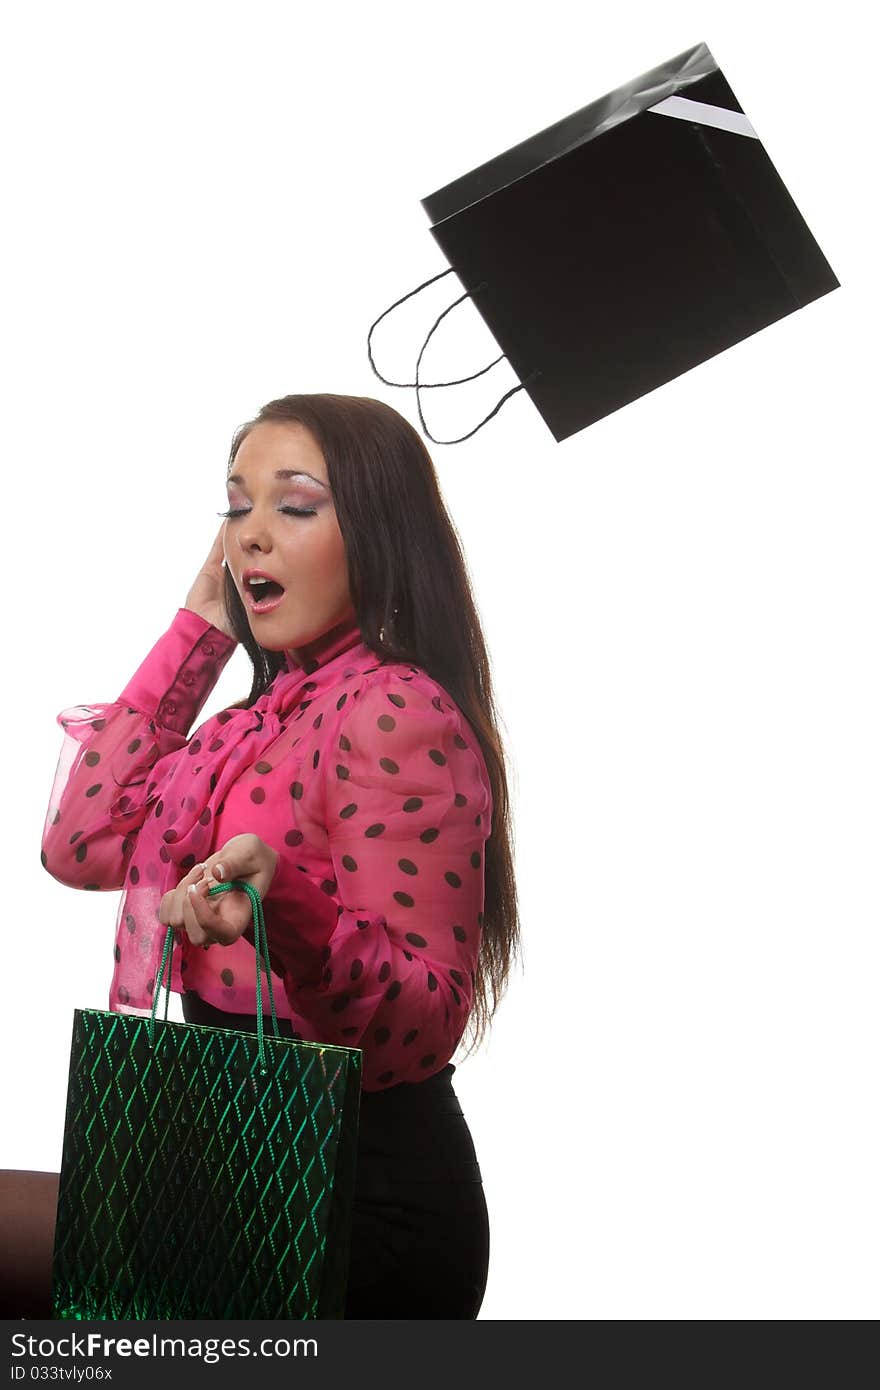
[(434, 385)]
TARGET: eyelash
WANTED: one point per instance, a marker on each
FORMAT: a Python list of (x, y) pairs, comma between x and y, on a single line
[(288, 511)]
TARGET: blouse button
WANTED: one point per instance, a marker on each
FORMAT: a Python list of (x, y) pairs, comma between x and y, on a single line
[(208, 649), (170, 707), (187, 678)]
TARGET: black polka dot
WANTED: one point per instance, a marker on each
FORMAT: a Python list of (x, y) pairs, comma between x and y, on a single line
[(130, 923), (348, 810), (187, 862), (328, 885), (316, 723), (316, 757), (382, 1035), (81, 852), (385, 1076), (349, 1032), (455, 994), (134, 875), (386, 723), (124, 995), (452, 879), (215, 745), (459, 933), (341, 701), (75, 836), (293, 838), (116, 953), (373, 830), (339, 1003), (363, 923), (356, 971), (92, 758), (227, 977), (475, 860), (415, 940), (393, 990), (384, 971), (404, 899), (432, 981), (296, 790), (428, 1060), (170, 837), (407, 866), (428, 837), (224, 716), (205, 817), (349, 863), (93, 791), (407, 955), (263, 767), (413, 803), (459, 741), (134, 745), (194, 747), (258, 795), (437, 757), (477, 819), (99, 724), (388, 765), (342, 771), (398, 701), (457, 976), (344, 743), (410, 1037), (460, 800)]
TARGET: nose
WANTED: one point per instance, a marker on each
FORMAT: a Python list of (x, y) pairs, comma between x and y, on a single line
[(254, 536)]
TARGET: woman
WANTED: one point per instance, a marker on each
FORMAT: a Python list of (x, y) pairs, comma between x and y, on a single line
[(361, 788)]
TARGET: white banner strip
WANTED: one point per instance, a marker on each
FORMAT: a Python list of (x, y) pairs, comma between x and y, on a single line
[(704, 114)]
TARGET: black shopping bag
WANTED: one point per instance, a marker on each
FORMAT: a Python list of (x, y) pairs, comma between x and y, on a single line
[(625, 244)]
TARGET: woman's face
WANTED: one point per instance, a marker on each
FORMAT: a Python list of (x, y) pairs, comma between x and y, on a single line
[(282, 527)]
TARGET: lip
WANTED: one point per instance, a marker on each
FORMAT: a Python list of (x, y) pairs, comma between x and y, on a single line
[(265, 605)]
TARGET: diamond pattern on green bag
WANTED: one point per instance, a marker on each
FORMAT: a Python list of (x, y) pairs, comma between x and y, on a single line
[(206, 1173)]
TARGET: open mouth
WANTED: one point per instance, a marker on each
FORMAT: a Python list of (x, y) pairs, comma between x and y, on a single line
[(262, 594)]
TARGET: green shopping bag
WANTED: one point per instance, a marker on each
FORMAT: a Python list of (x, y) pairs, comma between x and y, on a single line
[(205, 1173)]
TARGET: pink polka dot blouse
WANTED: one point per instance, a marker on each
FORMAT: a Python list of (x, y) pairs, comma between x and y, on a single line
[(360, 772)]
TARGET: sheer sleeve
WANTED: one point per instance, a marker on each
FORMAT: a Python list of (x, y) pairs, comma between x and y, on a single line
[(101, 789), (382, 956)]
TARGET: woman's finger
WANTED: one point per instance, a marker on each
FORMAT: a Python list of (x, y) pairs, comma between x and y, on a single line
[(222, 918), (171, 906), (196, 932)]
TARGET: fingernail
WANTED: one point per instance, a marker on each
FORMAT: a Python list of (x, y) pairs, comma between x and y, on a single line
[(191, 888), (218, 870)]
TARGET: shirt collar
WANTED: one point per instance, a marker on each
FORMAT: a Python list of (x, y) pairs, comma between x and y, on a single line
[(344, 637)]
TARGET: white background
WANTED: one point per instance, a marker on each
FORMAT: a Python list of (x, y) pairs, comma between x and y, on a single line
[(206, 206)]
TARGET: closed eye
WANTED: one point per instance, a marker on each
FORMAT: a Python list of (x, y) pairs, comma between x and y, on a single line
[(289, 511)]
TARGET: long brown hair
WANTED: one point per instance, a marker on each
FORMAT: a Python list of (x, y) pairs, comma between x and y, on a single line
[(412, 596)]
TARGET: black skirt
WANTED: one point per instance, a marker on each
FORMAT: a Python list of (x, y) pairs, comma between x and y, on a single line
[(420, 1225)]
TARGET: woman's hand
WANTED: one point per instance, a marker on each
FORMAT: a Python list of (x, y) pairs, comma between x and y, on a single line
[(206, 594), (221, 919)]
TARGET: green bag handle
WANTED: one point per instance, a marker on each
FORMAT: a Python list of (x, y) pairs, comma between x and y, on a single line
[(262, 951)]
